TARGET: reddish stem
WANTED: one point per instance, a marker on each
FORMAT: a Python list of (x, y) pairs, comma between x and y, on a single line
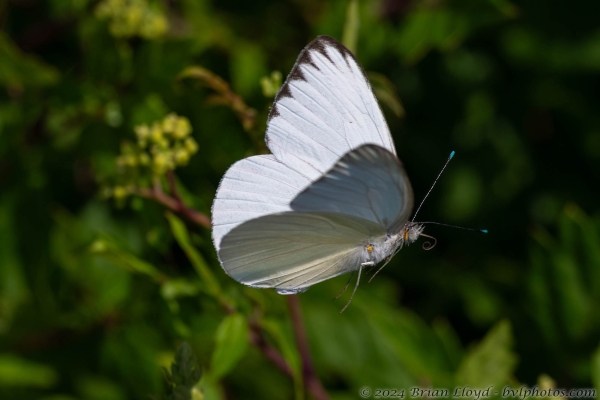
[(257, 339), (311, 382), (174, 204)]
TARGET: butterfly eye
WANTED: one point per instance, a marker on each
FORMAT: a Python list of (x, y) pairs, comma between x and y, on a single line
[(406, 235), (369, 248)]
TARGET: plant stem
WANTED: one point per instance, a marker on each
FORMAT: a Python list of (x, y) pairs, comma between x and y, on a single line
[(175, 204), (311, 381), (258, 340)]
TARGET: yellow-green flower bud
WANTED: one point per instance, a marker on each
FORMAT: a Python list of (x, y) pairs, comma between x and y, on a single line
[(168, 124), (182, 128), (156, 134), (133, 15), (160, 163), (98, 246), (130, 160), (182, 157), (102, 10), (119, 192), (197, 394), (271, 84), (142, 131), (191, 145), (154, 26), (164, 143)]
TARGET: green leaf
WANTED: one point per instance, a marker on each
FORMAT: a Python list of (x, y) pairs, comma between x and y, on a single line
[(108, 249), (540, 295), (481, 303), (506, 8), (99, 388), (412, 341), (181, 235), (463, 196), (13, 287), (175, 288), (18, 69), (491, 362), (131, 352), (571, 293), (231, 343), (15, 371), (248, 65), (587, 240), (449, 341), (289, 351), (596, 368)]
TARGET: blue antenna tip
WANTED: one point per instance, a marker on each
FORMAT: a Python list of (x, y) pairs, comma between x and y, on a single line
[(484, 231), (451, 155)]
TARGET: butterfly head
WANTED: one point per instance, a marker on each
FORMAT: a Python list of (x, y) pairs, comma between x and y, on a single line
[(412, 231)]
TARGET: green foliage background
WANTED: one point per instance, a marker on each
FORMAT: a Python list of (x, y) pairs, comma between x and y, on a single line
[(99, 286)]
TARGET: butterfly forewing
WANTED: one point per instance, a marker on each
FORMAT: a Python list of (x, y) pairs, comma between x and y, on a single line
[(325, 108), (251, 188)]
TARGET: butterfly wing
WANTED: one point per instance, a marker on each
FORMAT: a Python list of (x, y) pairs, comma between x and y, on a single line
[(325, 108), (251, 188), (293, 250), (368, 182)]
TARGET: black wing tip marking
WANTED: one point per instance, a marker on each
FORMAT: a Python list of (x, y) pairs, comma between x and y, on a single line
[(319, 44)]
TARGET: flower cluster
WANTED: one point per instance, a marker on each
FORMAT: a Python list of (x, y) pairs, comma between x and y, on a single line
[(129, 18), (161, 146)]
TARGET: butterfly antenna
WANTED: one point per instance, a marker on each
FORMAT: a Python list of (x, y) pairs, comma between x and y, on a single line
[(432, 186), (454, 226), (354, 291)]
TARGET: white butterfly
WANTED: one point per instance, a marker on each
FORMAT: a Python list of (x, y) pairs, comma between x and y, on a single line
[(332, 198)]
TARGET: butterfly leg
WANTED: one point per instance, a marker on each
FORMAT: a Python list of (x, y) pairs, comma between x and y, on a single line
[(345, 288), (367, 264)]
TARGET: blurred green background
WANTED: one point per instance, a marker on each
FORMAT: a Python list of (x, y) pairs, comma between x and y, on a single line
[(99, 285)]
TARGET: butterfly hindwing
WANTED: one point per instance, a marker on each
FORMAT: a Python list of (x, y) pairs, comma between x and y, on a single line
[(293, 250)]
